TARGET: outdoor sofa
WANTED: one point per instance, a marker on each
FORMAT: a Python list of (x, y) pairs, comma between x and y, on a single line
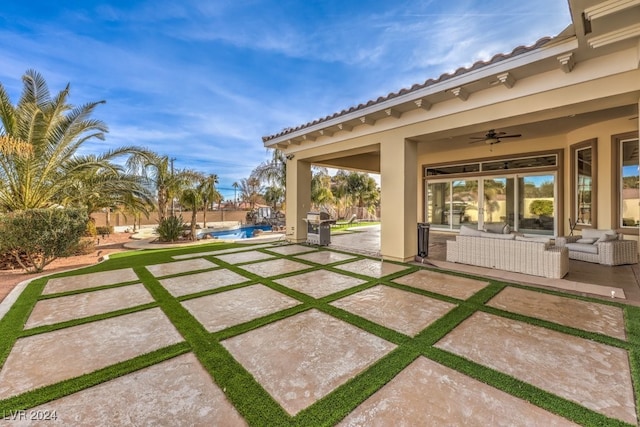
[(600, 246), (510, 252)]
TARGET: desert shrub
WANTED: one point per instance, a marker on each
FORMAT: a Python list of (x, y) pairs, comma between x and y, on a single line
[(41, 235), (85, 246), (541, 207), (170, 229), (91, 229), (104, 230)]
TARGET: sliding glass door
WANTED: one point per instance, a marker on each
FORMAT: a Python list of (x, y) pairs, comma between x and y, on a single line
[(525, 202)]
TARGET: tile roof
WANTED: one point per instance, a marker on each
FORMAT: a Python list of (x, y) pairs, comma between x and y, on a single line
[(446, 76)]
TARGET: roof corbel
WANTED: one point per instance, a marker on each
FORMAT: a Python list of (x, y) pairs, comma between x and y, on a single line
[(345, 127), (506, 79), (460, 92), (423, 104), (567, 62), (366, 120), (326, 132), (392, 112)]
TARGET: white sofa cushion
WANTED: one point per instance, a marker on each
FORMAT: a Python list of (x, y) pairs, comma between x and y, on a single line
[(583, 247), (488, 235), (537, 239), (498, 228), (589, 233), (465, 230), (607, 238), (587, 241)]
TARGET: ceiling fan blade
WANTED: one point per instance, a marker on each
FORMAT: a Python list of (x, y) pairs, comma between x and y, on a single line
[(511, 136)]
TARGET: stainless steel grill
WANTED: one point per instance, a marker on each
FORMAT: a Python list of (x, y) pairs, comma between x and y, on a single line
[(318, 228)]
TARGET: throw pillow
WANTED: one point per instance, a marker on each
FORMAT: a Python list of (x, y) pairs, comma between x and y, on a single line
[(465, 230), (589, 241), (498, 228), (607, 238)]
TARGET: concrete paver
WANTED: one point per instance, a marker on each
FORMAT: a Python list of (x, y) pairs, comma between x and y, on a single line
[(90, 280), (589, 316), (51, 357), (237, 306), (371, 268), (320, 283), (200, 282), (61, 309), (292, 249), (240, 257), (178, 267), (325, 257), (589, 373), (275, 267), (301, 359), (426, 393), (444, 284), (399, 310), (174, 392)]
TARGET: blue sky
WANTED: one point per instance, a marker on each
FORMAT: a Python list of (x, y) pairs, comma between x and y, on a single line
[(203, 81)]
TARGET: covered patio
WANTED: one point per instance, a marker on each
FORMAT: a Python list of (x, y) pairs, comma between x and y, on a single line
[(586, 279), (542, 138)]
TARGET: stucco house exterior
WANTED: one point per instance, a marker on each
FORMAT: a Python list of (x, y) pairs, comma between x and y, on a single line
[(446, 152)]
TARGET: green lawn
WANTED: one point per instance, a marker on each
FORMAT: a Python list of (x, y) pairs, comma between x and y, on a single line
[(251, 400)]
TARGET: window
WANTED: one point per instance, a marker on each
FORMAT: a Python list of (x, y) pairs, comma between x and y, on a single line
[(583, 183), (520, 191), (626, 210)]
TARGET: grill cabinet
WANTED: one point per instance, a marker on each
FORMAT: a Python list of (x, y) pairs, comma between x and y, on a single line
[(318, 228)]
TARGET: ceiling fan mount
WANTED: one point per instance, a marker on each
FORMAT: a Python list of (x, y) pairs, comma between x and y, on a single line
[(493, 137)]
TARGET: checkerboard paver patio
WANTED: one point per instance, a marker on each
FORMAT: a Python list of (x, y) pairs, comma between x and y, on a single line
[(305, 354)]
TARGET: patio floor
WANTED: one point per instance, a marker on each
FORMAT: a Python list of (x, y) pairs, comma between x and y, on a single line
[(584, 278), (300, 335)]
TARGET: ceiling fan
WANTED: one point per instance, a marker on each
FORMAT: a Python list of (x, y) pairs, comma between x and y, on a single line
[(493, 137)]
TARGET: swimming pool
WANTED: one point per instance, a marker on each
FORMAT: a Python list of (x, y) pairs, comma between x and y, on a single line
[(244, 232)]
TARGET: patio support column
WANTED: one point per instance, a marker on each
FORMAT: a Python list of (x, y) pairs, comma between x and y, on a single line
[(398, 200), (298, 199)]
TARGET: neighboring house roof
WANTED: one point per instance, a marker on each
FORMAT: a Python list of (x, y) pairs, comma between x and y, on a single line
[(446, 76)]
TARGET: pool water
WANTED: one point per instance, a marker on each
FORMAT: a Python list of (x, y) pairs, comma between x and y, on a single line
[(243, 232)]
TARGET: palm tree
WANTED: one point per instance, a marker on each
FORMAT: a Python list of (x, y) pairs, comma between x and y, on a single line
[(109, 189), (340, 191), (321, 195), (235, 186), (274, 195), (274, 171), (39, 142), (250, 190), (158, 171), (208, 193), (191, 198)]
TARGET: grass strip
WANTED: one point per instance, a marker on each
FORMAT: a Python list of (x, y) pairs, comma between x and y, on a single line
[(546, 400), (332, 408), (13, 321), (83, 320), (632, 324), (246, 394), (64, 388)]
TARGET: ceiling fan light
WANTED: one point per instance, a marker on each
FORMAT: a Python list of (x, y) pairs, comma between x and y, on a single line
[(491, 140)]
